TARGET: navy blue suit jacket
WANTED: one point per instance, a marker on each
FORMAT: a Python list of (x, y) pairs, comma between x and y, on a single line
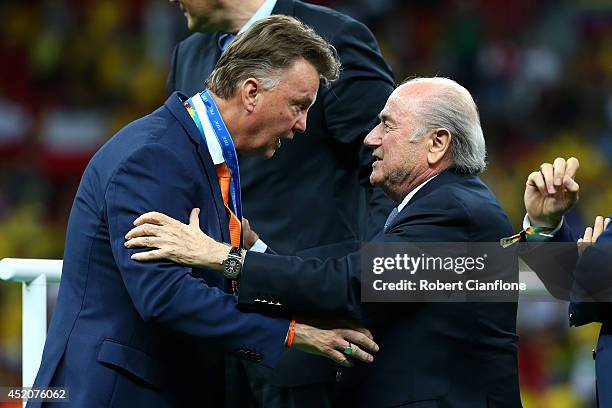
[(434, 354), (126, 333), (313, 197), (592, 285), (587, 281)]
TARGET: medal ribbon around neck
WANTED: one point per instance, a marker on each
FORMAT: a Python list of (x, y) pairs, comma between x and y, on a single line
[(222, 134)]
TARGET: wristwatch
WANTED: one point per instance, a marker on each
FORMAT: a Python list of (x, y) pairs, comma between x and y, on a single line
[(232, 265)]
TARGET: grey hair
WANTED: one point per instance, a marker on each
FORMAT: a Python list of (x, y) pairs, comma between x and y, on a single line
[(450, 106), (266, 50)]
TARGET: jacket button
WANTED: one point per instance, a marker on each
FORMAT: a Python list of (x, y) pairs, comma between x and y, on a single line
[(594, 354), (338, 376)]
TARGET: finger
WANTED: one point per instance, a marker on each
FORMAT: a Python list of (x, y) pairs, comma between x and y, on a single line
[(143, 230), (598, 228), (364, 331), (142, 242), (588, 234), (194, 218), (581, 246), (537, 180), (558, 171), (570, 184), (571, 189), (154, 217), (547, 172), (360, 339), (339, 357), (571, 167), (147, 256), (606, 222), (359, 354)]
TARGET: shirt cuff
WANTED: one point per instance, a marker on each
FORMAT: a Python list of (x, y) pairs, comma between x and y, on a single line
[(527, 224), (259, 246)]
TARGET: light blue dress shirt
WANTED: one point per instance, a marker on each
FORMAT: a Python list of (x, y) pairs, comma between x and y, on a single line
[(264, 11)]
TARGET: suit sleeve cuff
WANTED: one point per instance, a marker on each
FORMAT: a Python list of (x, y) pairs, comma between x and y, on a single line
[(527, 224)]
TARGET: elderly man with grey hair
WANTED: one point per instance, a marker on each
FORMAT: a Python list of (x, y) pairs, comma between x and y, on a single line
[(428, 149)]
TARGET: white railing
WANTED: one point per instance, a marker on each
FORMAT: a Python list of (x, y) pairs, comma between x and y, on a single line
[(33, 274)]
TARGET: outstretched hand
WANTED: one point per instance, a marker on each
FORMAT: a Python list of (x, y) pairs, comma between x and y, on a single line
[(172, 240), (338, 344), (551, 192)]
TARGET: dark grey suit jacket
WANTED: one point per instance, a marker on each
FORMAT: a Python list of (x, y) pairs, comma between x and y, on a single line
[(313, 198)]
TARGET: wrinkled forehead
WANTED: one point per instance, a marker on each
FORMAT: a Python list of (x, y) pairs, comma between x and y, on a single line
[(392, 103), (400, 104)]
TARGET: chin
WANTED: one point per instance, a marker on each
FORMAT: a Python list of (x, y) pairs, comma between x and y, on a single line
[(266, 154), (375, 180)]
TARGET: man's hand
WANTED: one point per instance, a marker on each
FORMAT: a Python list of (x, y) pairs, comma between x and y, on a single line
[(185, 244), (550, 192), (332, 343), (249, 237), (592, 234)]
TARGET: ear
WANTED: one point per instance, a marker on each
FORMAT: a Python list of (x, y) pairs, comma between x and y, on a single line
[(250, 91), (439, 143)]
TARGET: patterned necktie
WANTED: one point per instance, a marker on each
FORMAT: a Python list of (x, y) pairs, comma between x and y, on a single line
[(390, 218), (225, 179)]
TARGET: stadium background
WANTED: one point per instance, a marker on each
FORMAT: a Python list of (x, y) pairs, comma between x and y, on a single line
[(73, 72)]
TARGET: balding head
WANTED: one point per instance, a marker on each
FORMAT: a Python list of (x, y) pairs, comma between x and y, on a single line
[(427, 126), (443, 103)]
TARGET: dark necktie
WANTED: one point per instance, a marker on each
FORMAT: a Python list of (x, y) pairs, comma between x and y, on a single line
[(390, 218)]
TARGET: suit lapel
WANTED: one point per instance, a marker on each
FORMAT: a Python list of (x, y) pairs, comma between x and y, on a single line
[(446, 177), (177, 109), (208, 64)]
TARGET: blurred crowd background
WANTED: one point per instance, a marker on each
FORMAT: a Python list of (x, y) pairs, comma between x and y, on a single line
[(75, 71)]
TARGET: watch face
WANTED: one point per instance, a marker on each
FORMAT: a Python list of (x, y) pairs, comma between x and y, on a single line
[(232, 266)]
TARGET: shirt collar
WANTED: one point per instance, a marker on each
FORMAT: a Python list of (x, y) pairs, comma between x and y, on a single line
[(264, 11), (411, 194)]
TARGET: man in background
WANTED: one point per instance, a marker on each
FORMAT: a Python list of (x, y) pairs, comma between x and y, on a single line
[(313, 198)]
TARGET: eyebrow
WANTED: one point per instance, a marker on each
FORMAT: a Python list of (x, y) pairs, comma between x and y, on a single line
[(384, 117), (306, 101)]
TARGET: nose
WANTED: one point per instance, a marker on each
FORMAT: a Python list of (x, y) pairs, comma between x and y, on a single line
[(374, 138), (300, 123)]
